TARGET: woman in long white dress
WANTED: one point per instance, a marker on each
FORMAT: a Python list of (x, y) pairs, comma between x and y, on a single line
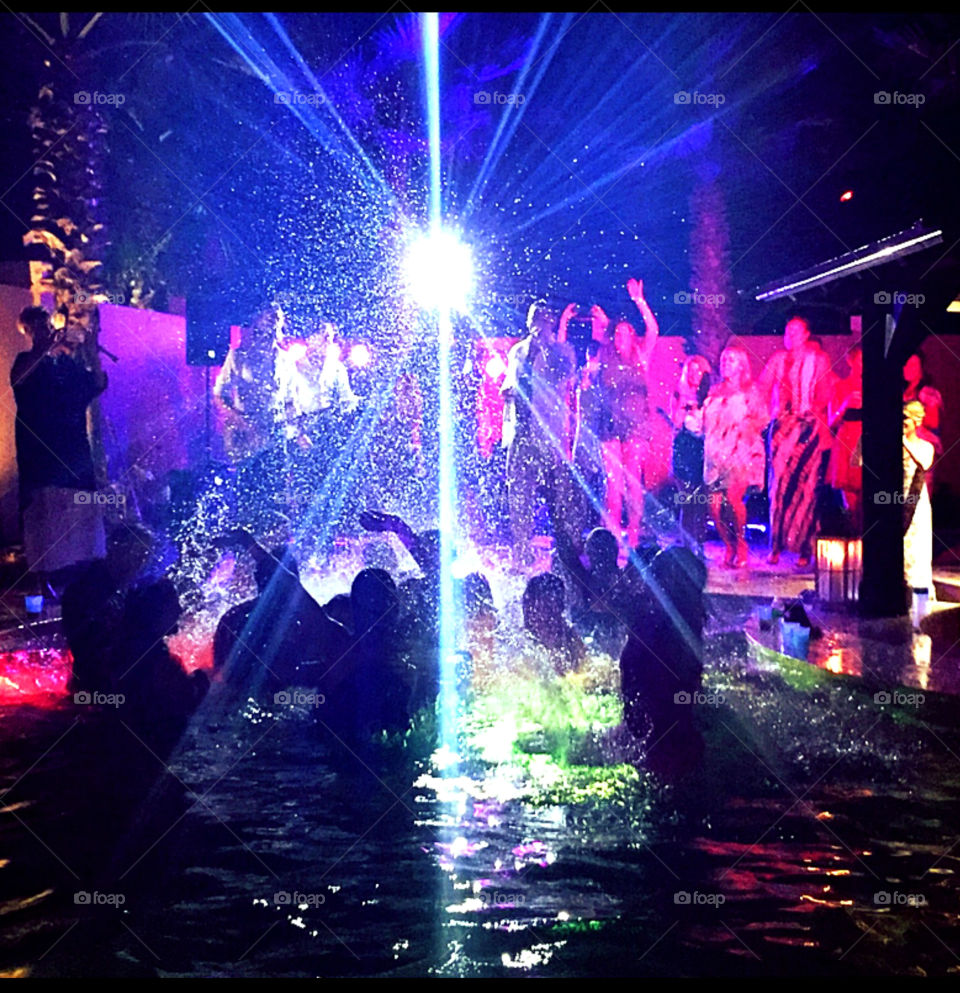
[(918, 457)]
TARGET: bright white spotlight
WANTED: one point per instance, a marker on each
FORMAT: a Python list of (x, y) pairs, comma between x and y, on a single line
[(360, 355), (438, 271)]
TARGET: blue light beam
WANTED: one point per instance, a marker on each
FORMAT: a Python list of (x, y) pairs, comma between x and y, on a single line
[(449, 700)]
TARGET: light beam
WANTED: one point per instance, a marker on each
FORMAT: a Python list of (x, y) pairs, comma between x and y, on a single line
[(449, 702)]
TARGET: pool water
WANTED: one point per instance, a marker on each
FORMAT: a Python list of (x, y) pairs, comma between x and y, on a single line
[(817, 835)]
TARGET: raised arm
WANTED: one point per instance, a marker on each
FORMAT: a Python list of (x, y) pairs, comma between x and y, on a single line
[(566, 550), (600, 322), (568, 312), (244, 541), (418, 546), (650, 323), (379, 521)]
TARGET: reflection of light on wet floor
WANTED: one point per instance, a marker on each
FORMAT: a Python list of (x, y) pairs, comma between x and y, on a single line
[(922, 656), (32, 675), (843, 654), (823, 902), (834, 662), (529, 958), (836, 654)]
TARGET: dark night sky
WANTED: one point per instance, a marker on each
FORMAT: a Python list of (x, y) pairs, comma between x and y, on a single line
[(568, 207)]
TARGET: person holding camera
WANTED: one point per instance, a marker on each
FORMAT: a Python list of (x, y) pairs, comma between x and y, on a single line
[(53, 384)]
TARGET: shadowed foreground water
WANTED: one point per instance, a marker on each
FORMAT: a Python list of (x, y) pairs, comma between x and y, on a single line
[(817, 836)]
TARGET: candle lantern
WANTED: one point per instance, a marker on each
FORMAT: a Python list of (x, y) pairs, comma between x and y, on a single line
[(839, 569)]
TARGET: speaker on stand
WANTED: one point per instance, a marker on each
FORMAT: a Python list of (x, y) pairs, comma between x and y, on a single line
[(209, 317)]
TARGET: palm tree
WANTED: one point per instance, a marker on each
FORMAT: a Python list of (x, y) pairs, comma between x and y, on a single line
[(68, 132)]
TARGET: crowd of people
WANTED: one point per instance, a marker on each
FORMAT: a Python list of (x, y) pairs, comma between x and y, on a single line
[(372, 656), (576, 430), (790, 427)]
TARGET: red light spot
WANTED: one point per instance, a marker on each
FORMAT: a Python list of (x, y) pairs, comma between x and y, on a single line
[(37, 676), (846, 195)]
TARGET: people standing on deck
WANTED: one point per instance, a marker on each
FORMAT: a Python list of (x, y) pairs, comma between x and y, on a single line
[(314, 400), (537, 425), (246, 388), (846, 421), (917, 386), (314, 382), (918, 456), (590, 411), (734, 458), (796, 384), (625, 361), (686, 414), (246, 395), (53, 384)]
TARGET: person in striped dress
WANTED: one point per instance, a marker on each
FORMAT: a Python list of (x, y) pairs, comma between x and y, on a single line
[(797, 384)]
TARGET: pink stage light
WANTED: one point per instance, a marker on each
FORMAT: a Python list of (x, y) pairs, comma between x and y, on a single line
[(360, 356), (846, 195)]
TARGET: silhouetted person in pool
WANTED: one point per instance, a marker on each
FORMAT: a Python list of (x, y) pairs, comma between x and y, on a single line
[(635, 571), (420, 601), (380, 689), (340, 609), (543, 606), (480, 622), (267, 639), (91, 608), (599, 593), (661, 666), (159, 694), (479, 609), (419, 598)]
